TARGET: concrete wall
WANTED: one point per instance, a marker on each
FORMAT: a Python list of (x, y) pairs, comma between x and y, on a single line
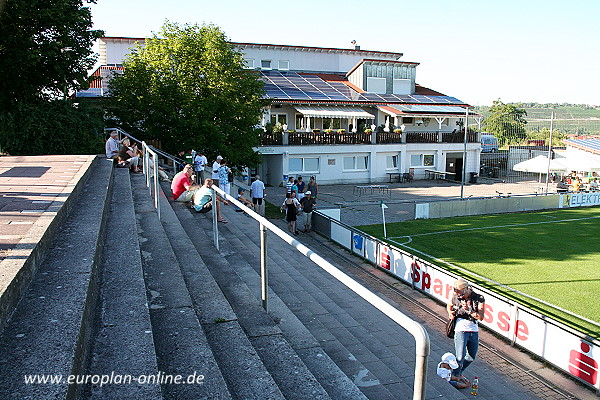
[(495, 205)]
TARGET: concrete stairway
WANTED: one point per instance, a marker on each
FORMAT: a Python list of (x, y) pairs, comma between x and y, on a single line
[(370, 349), (124, 294)]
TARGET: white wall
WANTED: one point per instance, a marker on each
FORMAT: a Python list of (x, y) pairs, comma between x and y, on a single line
[(308, 59), (333, 172)]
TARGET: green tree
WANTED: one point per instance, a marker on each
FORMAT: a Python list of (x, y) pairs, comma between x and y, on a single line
[(51, 127), (189, 89), (45, 49), (506, 122)]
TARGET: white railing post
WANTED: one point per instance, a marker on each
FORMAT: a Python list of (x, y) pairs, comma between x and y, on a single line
[(156, 191), (264, 272), (215, 218)]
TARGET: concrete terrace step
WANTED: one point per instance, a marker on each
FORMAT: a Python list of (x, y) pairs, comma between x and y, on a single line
[(48, 333), (353, 332), (226, 271), (123, 343), (249, 330), (181, 344), (292, 272)]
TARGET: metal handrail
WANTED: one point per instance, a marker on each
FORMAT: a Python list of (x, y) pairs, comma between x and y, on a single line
[(176, 160), (418, 331), (147, 151), (413, 327)]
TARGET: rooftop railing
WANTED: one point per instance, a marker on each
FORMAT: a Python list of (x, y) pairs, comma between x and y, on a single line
[(333, 138)]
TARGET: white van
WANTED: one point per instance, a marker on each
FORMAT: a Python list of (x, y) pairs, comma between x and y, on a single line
[(489, 144)]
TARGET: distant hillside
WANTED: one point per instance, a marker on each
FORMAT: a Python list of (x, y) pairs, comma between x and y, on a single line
[(568, 118)]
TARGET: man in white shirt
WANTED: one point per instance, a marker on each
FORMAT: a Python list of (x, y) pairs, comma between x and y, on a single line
[(112, 146), (258, 193), (200, 162), (215, 171)]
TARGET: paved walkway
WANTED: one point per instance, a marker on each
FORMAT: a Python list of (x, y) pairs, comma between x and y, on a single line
[(33, 189), (357, 209)]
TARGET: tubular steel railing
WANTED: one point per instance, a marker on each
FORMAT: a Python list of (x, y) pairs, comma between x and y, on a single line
[(151, 162), (413, 327)]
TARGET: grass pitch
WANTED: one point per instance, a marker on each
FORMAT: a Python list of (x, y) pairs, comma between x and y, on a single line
[(551, 255)]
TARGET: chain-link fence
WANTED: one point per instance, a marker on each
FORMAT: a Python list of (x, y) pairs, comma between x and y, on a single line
[(526, 137)]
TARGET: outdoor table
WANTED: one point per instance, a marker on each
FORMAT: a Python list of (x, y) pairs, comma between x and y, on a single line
[(391, 174), (433, 174)]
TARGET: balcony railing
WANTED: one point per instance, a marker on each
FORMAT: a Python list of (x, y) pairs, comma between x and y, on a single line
[(389, 137), (421, 137), (272, 139), (459, 137), (304, 138), (319, 138)]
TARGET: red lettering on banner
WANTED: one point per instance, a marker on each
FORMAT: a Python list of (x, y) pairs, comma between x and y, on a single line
[(426, 284), (449, 291), (488, 316), (385, 258), (583, 366), (415, 276), (503, 321), (438, 287), (521, 330)]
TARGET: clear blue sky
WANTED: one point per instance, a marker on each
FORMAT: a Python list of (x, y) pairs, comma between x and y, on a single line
[(478, 51)]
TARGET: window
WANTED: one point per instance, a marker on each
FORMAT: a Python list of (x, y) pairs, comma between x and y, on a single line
[(422, 160), (332, 123), (356, 163), (279, 119), (391, 162), (249, 63), (299, 122), (408, 120), (376, 85), (265, 64), (402, 86), (304, 165), (284, 65)]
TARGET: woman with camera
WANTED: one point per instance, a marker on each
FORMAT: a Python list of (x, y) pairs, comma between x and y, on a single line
[(468, 309)]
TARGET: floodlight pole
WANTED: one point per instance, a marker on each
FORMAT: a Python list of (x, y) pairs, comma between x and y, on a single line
[(464, 166), (549, 149), (383, 207)]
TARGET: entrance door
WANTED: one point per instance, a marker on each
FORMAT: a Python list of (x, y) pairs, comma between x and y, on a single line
[(455, 165)]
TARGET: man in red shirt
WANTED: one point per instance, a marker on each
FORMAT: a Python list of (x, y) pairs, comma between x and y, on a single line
[(182, 187)]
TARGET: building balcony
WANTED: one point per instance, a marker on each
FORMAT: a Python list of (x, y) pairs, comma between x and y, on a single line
[(323, 138)]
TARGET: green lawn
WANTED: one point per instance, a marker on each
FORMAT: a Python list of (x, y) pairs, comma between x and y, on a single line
[(551, 255)]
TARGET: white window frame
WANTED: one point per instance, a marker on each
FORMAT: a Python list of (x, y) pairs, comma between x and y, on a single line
[(395, 160), (402, 86), (376, 85), (404, 122), (304, 170), (277, 115), (422, 160), (281, 68), (249, 63), (270, 67), (355, 163)]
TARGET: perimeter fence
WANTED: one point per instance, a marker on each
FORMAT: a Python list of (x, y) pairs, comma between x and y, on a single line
[(541, 132)]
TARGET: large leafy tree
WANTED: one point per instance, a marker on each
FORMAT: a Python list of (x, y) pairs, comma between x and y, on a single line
[(45, 54), (506, 122), (45, 48), (189, 89)]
